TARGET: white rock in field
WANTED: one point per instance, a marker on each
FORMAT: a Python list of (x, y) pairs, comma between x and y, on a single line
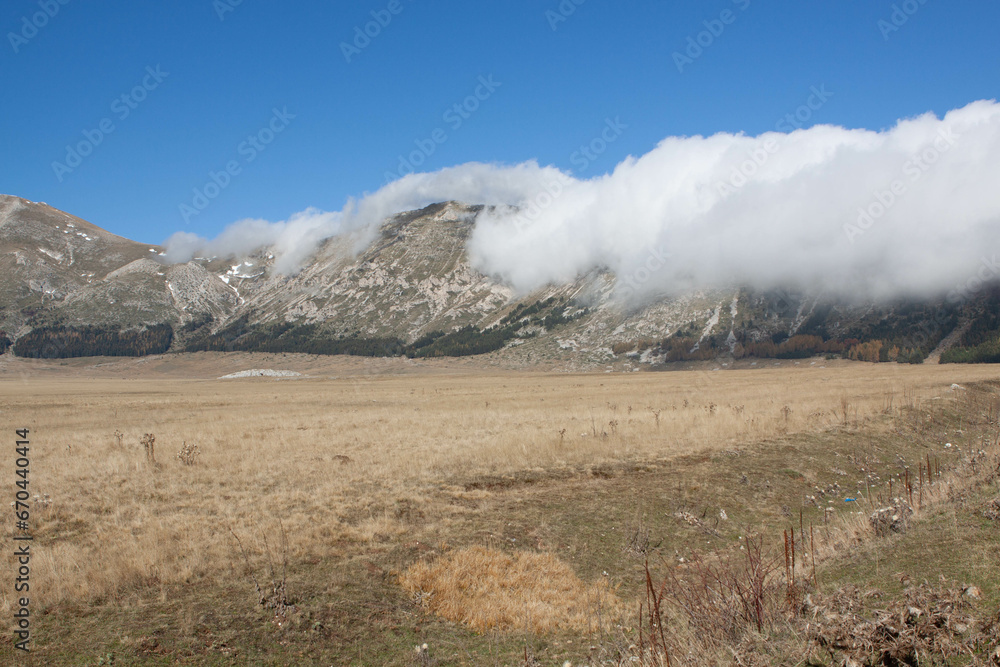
[(260, 373)]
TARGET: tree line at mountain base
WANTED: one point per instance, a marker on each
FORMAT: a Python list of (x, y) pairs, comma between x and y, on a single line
[(241, 336), (908, 336), (63, 342), (906, 333)]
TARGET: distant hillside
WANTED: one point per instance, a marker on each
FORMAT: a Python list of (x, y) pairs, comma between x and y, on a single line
[(72, 289), (61, 270)]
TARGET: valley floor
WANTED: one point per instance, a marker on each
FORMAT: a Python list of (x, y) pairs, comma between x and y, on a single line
[(342, 516)]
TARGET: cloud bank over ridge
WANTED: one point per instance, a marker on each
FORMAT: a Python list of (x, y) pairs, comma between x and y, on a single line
[(913, 209)]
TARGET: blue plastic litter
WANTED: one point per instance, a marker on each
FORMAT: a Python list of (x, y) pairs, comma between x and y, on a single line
[(849, 500)]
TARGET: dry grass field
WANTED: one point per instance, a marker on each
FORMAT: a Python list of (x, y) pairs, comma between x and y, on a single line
[(338, 487)]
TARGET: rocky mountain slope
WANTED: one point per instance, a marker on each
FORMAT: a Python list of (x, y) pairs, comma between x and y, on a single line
[(413, 290), (59, 269), (413, 278)]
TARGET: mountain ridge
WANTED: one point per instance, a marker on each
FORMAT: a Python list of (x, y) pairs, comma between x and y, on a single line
[(412, 290)]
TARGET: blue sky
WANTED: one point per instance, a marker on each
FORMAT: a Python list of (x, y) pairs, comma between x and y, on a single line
[(225, 67)]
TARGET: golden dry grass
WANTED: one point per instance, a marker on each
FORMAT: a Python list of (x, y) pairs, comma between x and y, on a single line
[(329, 458), (487, 589)]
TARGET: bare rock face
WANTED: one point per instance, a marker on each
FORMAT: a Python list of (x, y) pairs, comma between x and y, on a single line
[(892, 519), (412, 278)]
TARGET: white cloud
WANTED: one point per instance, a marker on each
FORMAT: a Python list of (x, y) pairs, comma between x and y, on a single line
[(295, 239), (792, 216)]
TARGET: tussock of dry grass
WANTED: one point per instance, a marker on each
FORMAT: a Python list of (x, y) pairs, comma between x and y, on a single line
[(487, 589)]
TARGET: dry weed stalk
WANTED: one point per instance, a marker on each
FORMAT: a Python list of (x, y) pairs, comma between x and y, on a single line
[(275, 596), (188, 455), (637, 540), (657, 651), (148, 442), (725, 599)]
